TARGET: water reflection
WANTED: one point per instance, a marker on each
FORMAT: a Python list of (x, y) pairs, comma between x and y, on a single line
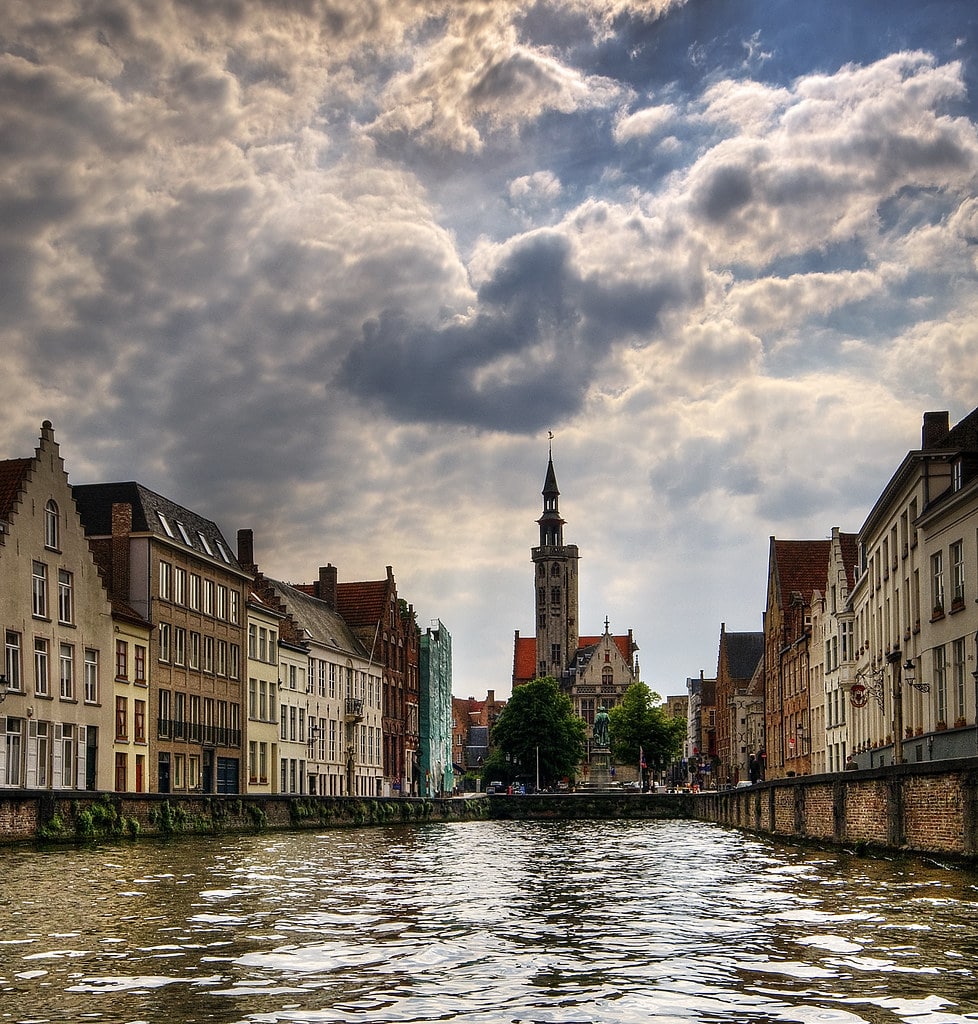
[(485, 922)]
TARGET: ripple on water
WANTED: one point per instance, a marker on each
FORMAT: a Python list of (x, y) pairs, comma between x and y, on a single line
[(487, 922)]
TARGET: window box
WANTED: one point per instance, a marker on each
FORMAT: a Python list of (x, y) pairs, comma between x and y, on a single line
[(960, 722), (941, 726), (957, 605), (938, 613)]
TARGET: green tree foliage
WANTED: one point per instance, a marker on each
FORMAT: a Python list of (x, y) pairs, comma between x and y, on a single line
[(640, 722), (538, 717)]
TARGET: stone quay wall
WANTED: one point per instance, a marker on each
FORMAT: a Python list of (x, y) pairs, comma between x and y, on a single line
[(927, 808), (46, 816)]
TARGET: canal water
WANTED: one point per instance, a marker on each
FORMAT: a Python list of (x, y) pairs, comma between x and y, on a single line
[(485, 923)]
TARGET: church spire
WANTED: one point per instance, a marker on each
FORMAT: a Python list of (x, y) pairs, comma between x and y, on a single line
[(551, 525)]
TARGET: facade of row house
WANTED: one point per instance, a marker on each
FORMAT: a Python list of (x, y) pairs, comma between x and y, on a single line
[(915, 667), (140, 655), (57, 695), (386, 629), (437, 762), (796, 572), (472, 723), (176, 570), (737, 659), (701, 735)]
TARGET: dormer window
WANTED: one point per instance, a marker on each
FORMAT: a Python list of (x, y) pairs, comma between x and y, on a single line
[(165, 523), (51, 524), (957, 474), (184, 534)]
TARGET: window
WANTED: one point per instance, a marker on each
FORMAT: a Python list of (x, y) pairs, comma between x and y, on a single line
[(208, 597), (957, 477), (252, 697), (179, 585), (43, 755), (164, 641), (139, 661), (166, 581), (122, 718), (179, 645), (165, 523), (67, 660), (164, 724), (39, 590), (253, 641), (222, 657), (193, 654), (235, 609), (205, 544), (91, 675), (12, 660), (13, 751), (42, 685), (957, 572), (66, 604), (179, 770), (222, 602), (184, 534), (937, 581), (284, 723), (121, 659), (51, 524), (940, 683), (234, 661), (193, 599), (139, 721), (68, 756), (193, 771), (957, 668), (207, 661), (121, 772)]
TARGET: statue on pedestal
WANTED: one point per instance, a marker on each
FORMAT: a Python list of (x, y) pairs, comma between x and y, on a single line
[(600, 730)]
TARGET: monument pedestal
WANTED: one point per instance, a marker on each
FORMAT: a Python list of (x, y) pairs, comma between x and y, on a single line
[(599, 771)]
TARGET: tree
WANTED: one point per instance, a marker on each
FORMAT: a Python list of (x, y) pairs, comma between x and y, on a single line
[(537, 722), (640, 725)]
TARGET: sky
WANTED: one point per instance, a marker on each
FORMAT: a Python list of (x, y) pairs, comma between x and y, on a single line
[(333, 271)]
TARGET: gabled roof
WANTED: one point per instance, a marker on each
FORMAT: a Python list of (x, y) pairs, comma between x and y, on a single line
[(319, 621), (964, 435), (363, 604), (800, 567), (13, 475), (151, 513), (744, 651)]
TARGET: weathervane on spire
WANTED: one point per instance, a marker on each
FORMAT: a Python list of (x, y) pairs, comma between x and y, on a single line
[(550, 435)]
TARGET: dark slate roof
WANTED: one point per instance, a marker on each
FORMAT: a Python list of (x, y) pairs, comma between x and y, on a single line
[(13, 473), (151, 513), (320, 622), (964, 435), (744, 650), (849, 543)]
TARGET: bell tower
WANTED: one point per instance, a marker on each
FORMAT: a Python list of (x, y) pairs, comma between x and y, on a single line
[(555, 586)]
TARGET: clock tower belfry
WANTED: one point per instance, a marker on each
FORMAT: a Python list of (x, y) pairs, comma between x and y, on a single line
[(555, 587)]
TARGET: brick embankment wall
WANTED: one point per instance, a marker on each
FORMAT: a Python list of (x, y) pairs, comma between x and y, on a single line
[(927, 808)]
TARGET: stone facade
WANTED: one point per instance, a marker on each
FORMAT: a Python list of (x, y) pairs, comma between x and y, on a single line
[(57, 712)]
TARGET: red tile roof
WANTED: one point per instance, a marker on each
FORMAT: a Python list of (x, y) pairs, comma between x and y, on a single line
[(363, 604), (801, 566)]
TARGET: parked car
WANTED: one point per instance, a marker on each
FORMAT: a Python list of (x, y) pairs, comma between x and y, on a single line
[(494, 787), (744, 784)]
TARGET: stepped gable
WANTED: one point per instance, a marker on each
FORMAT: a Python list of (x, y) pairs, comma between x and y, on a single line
[(963, 436), (849, 543), (801, 566)]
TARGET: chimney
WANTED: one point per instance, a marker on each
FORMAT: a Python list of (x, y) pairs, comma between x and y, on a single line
[(491, 696), (937, 425), (327, 586), (246, 548), (121, 529)]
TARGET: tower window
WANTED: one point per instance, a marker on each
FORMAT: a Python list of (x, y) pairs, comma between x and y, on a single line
[(555, 594), (555, 571), (555, 653)]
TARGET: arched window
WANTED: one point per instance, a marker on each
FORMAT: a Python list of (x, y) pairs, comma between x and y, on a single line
[(607, 676), (51, 524)]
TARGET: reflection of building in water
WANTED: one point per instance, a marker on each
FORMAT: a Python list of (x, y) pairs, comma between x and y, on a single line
[(594, 670)]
